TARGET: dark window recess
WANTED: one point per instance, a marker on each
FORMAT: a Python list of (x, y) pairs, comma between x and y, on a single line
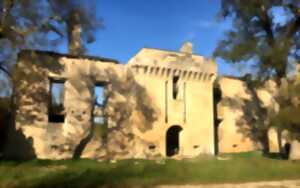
[(152, 147), (175, 86), (56, 106), (217, 97)]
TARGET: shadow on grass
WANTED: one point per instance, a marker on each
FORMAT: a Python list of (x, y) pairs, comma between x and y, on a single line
[(82, 173), (277, 156)]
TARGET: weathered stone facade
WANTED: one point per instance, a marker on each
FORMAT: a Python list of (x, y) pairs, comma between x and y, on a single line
[(160, 104)]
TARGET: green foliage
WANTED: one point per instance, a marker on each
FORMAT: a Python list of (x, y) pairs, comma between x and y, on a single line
[(242, 167), (289, 99), (40, 25), (87, 11), (259, 38), (266, 34)]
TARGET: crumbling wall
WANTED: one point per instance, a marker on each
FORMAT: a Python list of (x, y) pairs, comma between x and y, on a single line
[(245, 114), (235, 134), (128, 106)]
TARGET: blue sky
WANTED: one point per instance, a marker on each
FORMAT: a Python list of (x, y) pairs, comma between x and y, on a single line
[(165, 24)]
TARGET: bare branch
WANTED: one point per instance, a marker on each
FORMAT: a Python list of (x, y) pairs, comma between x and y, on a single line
[(266, 22), (5, 71)]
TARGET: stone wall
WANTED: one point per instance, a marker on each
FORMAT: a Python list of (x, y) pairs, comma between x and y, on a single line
[(157, 92), (192, 110), (244, 114), (139, 106)]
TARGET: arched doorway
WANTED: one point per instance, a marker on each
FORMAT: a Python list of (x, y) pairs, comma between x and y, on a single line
[(172, 140)]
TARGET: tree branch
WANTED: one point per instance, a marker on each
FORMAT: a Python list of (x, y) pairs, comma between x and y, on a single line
[(294, 25), (45, 23), (266, 23), (5, 71)]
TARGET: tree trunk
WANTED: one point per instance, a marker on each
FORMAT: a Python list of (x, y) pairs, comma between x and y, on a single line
[(6, 7), (74, 32)]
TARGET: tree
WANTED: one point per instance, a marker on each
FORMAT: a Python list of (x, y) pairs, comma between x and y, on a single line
[(41, 25), (265, 32), (75, 13)]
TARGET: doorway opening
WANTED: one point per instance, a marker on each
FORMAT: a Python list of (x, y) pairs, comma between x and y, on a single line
[(172, 140)]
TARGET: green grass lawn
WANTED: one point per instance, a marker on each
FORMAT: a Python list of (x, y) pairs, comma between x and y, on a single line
[(127, 173)]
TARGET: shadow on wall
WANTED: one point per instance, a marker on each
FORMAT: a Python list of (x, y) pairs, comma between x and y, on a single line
[(17, 145), (127, 98), (30, 99), (216, 100), (5, 118), (14, 144), (34, 67), (252, 123), (124, 97), (83, 143)]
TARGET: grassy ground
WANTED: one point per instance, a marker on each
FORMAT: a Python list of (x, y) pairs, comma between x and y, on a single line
[(128, 173)]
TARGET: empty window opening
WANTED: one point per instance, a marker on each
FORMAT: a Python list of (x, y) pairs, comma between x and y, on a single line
[(99, 95), (99, 119), (175, 86), (172, 140), (56, 112)]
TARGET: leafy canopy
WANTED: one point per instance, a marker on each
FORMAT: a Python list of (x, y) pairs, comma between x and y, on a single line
[(264, 32), (40, 24)]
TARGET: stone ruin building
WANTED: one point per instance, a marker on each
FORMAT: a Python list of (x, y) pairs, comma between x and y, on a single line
[(160, 104)]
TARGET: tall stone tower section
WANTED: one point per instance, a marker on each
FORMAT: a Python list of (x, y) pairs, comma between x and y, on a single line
[(180, 85)]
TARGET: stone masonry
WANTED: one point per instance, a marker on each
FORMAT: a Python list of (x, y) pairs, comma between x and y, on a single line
[(160, 104)]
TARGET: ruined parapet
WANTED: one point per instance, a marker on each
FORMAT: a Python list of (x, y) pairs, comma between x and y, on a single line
[(167, 63)]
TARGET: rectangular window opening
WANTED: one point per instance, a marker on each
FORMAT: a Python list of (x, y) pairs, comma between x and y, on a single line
[(56, 113), (99, 119), (175, 87), (99, 97), (99, 103)]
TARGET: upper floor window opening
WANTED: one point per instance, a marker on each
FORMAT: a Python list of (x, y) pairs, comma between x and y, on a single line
[(175, 87), (56, 110)]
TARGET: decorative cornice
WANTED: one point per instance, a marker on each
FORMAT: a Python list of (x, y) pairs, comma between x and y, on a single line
[(169, 72)]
